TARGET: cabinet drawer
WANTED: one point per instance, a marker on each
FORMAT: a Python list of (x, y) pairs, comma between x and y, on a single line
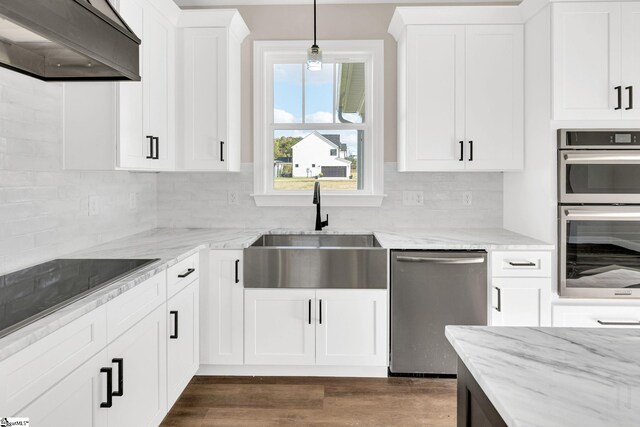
[(596, 316), (132, 306), (182, 273), (28, 373), (521, 264)]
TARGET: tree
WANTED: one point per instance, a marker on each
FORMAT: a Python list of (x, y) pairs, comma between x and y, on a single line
[(282, 147)]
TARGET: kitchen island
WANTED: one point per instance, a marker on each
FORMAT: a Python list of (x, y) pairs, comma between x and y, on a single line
[(547, 376)]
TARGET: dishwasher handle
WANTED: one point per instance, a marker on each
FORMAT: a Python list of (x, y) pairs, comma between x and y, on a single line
[(443, 260)]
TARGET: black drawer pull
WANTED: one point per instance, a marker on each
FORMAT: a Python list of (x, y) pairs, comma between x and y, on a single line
[(630, 90), (471, 151), (615, 323), (186, 273), (157, 155), (109, 402), (237, 271), (150, 138), (174, 313), (619, 90), (320, 312), (461, 158), (120, 363), (522, 264), (222, 151), (309, 311), (499, 307)]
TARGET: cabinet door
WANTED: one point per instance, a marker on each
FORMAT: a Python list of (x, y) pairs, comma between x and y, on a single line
[(205, 99), (222, 310), (519, 301), (280, 327), (157, 37), (183, 357), (494, 64), (133, 148), (75, 400), (434, 91), (351, 327), (144, 372), (631, 60), (586, 60)]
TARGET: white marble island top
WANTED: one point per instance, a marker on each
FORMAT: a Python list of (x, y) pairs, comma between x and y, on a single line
[(555, 376)]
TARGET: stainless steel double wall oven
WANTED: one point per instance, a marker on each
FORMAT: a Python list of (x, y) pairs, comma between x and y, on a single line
[(599, 213)]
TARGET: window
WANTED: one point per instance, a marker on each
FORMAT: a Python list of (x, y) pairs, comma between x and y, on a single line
[(324, 126)]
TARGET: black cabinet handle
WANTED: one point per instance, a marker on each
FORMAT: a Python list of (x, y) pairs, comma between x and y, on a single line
[(321, 312), (470, 151), (157, 155), (150, 138), (237, 271), (120, 363), (499, 307), (109, 402), (522, 264), (174, 313), (619, 90), (309, 311), (186, 273), (461, 151), (630, 92), (222, 151)]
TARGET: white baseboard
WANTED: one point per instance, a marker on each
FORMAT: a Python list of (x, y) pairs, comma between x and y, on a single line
[(294, 371)]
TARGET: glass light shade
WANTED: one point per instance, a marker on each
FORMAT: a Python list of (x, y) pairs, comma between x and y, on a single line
[(314, 58)]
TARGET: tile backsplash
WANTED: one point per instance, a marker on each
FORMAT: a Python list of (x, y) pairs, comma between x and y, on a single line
[(44, 210), (201, 200)]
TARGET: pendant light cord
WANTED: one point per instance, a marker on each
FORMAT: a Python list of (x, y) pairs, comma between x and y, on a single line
[(314, 23)]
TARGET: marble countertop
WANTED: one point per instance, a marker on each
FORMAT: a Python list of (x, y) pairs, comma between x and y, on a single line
[(555, 376), (173, 245)]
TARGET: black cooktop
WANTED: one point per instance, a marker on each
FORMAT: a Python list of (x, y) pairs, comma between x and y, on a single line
[(29, 294)]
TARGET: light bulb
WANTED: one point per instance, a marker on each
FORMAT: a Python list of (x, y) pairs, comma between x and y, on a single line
[(314, 58)]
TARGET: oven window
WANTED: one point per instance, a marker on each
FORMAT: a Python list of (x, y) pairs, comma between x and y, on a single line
[(603, 254), (603, 179)]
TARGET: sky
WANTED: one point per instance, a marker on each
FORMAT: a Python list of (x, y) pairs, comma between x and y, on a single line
[(319, 93)]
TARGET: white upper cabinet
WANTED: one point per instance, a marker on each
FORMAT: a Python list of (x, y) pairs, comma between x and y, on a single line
[(596, 60), (184, 114), (494, 100), (209, 86), (460, 90)]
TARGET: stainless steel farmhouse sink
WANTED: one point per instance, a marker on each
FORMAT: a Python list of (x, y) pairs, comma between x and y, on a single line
[(349, 261)]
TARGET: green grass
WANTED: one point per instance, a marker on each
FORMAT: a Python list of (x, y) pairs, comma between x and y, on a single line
[(308, 183)]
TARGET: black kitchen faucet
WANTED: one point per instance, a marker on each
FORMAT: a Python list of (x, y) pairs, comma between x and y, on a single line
[(316, 201)]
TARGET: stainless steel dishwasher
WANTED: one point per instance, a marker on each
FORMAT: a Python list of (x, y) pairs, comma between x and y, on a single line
[(430, 290)]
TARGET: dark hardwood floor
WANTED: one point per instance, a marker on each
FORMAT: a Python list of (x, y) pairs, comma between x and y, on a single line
[(308, 401)]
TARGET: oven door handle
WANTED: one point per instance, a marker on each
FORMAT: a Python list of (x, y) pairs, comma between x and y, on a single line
[(607, 158), (596, 214)]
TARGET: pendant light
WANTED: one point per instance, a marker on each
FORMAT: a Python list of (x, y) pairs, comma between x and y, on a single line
[(314, 54)]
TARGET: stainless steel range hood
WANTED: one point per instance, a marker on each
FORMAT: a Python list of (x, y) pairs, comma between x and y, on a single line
[(57, 40)]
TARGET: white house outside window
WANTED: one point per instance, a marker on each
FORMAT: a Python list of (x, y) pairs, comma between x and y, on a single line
[(324, 126)]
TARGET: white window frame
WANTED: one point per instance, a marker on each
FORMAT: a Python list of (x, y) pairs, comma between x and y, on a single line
[(268, 53)]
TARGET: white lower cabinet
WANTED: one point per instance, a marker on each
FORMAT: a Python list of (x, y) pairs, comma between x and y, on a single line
[(222, 308), (520, 291), (75, 400), (351, 327), (280, 327), (590, 316), (518, 301), (139, 362), (183, 357), (315, 327)]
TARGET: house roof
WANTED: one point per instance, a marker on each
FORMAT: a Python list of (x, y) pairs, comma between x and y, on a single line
[(320, 136)]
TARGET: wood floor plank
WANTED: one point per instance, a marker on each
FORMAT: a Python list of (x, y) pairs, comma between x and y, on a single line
[(314, 401)]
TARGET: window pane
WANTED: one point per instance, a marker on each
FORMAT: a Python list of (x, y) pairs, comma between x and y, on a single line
[(350, 86), (329, 156), (287, 93), (318, 95)]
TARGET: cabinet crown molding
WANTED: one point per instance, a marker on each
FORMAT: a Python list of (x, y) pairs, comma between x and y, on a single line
[(228, 18)]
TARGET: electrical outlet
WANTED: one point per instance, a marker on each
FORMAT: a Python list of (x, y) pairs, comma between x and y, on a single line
[(413, 198), (93, 205), (467, 198), (232, 197), (133, 201)]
